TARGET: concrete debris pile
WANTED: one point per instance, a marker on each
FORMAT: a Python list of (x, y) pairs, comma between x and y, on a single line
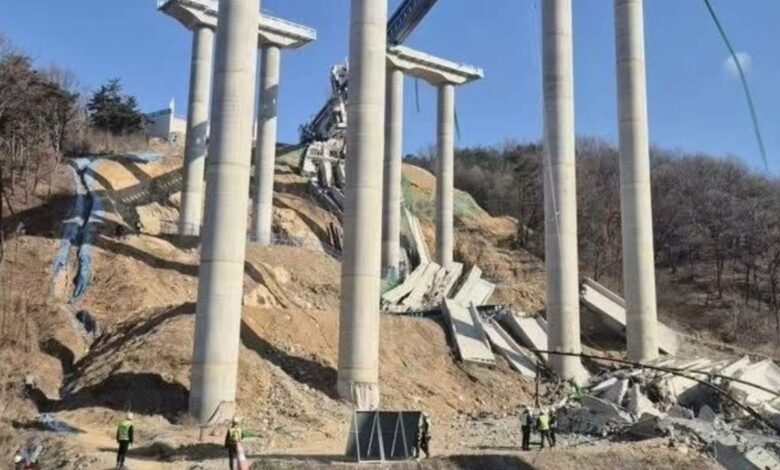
[(665, 401), (429, 284), (478, 333), (423, 289)]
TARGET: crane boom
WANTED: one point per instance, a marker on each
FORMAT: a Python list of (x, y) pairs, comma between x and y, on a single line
[(406, 18)]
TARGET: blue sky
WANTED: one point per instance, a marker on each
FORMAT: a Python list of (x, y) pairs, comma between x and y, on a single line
[(695, 103)]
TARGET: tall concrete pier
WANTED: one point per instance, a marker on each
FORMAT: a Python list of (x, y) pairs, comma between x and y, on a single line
[(445, 175), (265, 149), (560, 199), (636, 207), (391, 201), (218, 319), (197, 129), (358, 372)]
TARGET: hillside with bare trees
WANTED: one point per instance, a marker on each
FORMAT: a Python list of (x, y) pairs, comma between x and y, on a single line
[(716, 226)]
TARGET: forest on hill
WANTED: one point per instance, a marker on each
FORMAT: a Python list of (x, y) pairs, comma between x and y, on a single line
[(716, 222)]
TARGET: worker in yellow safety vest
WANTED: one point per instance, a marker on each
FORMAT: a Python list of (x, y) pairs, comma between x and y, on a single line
[(233, 439), (543, 425), (124, 437)]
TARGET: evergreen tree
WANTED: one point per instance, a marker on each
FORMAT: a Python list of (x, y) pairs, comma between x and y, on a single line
[(112, 111)]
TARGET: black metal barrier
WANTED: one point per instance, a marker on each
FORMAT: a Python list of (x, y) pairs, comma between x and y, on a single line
[(381, 436)]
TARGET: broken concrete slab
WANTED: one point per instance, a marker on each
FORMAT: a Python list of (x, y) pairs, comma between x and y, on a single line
[(764, 373), (520, 360), (530, 331), (646, 427), (415, 299), (607, 409), (762, 459), (616, 392), (413, 232), (681, 389), (756, 458), (443, 285), (771, 414), (735, 449), (734, 367), (396, 294), (677, 411), (468, 333), (613, 312), (706, 414), (592, 416), (474, 289), (604, 385), (639, 404)]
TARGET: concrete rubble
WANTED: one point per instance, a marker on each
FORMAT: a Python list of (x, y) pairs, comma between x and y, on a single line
[(643, 403)]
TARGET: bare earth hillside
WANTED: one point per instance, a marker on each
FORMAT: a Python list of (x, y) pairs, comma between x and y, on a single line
[(142, 297)]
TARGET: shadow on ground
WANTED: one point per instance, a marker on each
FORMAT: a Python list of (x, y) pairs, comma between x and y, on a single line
[(163, 452), (333, 462), (311, 373)]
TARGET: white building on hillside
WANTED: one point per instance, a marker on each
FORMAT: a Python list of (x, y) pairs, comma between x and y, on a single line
[(165, 124)]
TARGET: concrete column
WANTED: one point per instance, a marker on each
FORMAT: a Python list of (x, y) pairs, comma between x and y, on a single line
[(445, 175), (560, 199), (218, 319), (391, 201), (636, 210), (197, 130), (358, 374), (265, 150)]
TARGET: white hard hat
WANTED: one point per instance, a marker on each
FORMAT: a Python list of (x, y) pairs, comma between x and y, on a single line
[(129, 415), (236, 420), (17, 458)]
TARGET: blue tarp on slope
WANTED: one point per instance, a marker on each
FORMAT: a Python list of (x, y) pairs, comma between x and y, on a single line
[(72, 226), (86, 216)]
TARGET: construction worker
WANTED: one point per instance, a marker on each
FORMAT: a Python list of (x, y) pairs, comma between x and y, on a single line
[(543, 425), (526, 424), (424, 435), (233, 439), (124, 437), (553, 426)]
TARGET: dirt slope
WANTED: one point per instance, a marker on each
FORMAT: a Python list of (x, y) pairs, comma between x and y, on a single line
[(142, 295)]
